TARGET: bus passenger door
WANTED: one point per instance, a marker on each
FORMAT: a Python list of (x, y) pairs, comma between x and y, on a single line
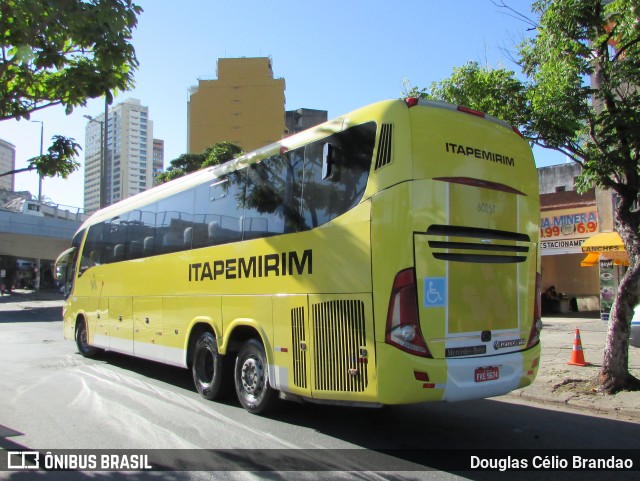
[(120, 325), (290, 371), (148, 333)]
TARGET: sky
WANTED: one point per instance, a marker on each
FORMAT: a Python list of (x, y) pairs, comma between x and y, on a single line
[(335, 55)]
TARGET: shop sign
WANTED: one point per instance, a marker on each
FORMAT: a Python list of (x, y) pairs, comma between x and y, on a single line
[(607, 287), (563, 231)]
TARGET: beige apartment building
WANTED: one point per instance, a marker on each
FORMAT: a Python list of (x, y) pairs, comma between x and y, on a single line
[(244, 105), (128, 160)]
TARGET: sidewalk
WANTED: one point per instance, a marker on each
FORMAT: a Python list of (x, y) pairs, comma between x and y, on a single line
[(28, 299), (556, 383)]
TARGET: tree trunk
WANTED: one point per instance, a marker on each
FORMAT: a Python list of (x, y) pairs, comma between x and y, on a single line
[(614, 374)]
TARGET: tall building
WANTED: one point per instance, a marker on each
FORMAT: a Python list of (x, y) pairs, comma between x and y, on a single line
[(7, 163), (128, 157), (244, 106), (158, 158)]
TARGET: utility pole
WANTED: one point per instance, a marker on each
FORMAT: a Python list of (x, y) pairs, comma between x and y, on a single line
[(103, 180), (41, 152), (36, 271)]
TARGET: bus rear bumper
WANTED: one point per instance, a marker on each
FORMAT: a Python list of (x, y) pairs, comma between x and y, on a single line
[(404, 378)]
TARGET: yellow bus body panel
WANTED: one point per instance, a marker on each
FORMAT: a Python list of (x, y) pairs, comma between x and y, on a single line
[(318, 299)]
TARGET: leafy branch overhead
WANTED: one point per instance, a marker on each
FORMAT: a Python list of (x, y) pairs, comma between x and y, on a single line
[(63, 52), (59, 161)]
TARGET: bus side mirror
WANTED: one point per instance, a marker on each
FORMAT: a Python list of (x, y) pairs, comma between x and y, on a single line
[(330, 161)]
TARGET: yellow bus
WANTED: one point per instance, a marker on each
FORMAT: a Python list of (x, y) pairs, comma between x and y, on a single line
[(388, 256)]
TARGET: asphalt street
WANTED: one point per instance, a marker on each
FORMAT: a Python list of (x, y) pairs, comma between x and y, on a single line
[(53, 398)]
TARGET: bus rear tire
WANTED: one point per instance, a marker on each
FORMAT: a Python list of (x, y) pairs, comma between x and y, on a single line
[(252, 379), (211, 371), (82, 340)]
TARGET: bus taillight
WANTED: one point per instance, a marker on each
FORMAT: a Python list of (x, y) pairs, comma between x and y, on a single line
[(411, 101), (517, 131), (403, 326)]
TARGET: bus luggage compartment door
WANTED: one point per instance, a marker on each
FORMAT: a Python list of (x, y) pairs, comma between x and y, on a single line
[(343, 347), (120, 324)]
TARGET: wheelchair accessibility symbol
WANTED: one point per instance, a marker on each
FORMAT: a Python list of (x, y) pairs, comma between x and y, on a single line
[(435, 291)]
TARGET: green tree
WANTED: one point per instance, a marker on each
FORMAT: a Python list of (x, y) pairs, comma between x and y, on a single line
[(60, 159), (63, 52), (219, 153), (215, 154), (580, 96)]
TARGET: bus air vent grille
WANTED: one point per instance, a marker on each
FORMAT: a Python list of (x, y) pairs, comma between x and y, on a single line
[(298, 336), (470, 244), (339, 341), (385, 145), (475, 232)]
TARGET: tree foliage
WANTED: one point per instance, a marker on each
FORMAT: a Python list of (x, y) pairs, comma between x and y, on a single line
[(215, 154), (482, 88), (63, 52), (59, 161), (580, 96)]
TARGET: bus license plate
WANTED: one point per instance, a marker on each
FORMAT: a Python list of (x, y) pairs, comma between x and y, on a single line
[(487, 374)]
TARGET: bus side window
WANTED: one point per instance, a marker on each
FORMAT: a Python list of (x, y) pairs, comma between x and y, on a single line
[(336, 171), (218, 211), (173, 219), (117, 237), (140, 227), (272, 197)]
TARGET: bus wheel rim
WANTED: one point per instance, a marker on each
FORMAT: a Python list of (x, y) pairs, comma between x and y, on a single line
[(252, 376)]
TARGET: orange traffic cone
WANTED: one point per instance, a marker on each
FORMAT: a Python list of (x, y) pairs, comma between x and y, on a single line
[(577, 356)]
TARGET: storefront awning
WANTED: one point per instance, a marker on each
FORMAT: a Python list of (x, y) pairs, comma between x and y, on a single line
[(605, 244), (590, 260)]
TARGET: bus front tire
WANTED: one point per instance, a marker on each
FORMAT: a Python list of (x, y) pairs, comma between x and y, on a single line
[(211, 371), (82, 341), (252, 379)]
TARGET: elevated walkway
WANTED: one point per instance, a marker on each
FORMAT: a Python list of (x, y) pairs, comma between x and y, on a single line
[(37, 237)]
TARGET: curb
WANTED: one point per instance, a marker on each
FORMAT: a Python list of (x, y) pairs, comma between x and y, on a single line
[(576, 404)]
